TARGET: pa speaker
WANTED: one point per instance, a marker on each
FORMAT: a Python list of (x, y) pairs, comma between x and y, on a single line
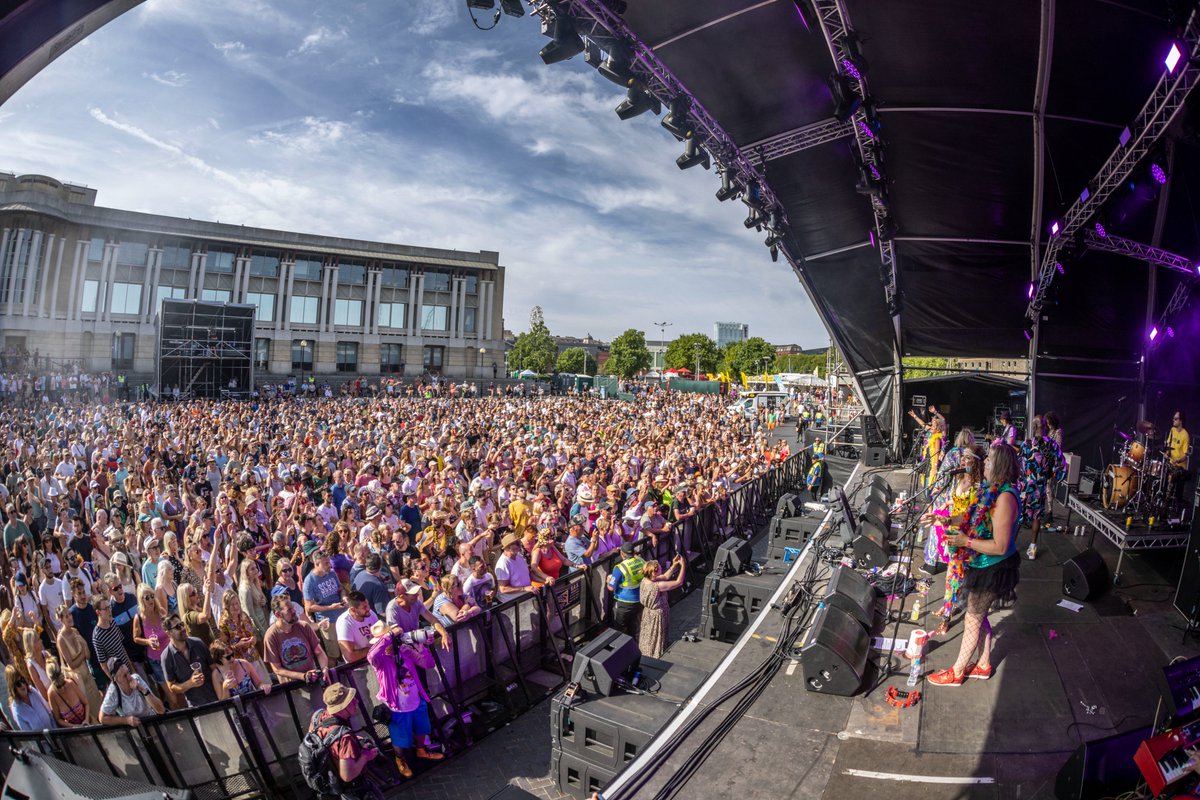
[(1187, 595), (789, 505), (733, 556), (834, 658), (1085, 576), (871, 432), (849, 591), (873, 456), (604, 659), (871, 544), (880, 483), (1102, 768), (877, 512)]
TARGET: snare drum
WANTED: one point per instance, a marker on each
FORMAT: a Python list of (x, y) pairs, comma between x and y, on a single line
[(1122, 485)]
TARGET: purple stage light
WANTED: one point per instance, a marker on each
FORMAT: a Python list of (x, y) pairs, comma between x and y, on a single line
[(1126, 135), (1054, 228), (1028, 335), (1173, 56), (866, 129), (1154, 333), (1170, 332), (1029, 293), (1084, 195), (1101, 231), (1158, 173), (871, 236), (851, 69), (1058, 265), (875, 172)]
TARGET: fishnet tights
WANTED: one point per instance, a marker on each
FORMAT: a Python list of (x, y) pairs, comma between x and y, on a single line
[(977, 632)]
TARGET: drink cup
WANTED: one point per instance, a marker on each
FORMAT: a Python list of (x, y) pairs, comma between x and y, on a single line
[(195, 667)]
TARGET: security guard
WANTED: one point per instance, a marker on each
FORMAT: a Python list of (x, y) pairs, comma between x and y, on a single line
[(625, 583)]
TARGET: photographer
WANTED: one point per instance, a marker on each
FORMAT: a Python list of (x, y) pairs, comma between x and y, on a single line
[(396, 657)]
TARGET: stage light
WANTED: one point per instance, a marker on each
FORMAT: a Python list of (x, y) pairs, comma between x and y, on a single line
[(1054, 228), (512, 7), (693, 154), (1061, 270), (1158, 173), (808, 15), (616, 66), (565, 41), (1101, 231), (887, 229), (753, 196), (870, 180), (1154, 333), (753, 219), (774, 253), (1029, 293), (853, 63), (871, 238), (1173, 56), (676, 120), (481, 4), (845, 100), (638, 101), (1170, 332), (592, 55), (729, 189), (851, 69), (1028, 335)]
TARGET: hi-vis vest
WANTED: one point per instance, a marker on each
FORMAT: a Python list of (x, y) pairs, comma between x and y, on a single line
[(629, 590), (818, 449)]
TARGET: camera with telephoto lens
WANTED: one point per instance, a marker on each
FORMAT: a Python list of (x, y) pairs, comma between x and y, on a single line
[(419, 636)]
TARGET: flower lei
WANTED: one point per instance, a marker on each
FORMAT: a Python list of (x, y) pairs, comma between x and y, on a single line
[(977, 524)]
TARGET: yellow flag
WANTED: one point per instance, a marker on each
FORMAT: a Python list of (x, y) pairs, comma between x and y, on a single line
[(745, 383)]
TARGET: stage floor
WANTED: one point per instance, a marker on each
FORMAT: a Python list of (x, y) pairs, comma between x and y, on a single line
[(1062, 677)]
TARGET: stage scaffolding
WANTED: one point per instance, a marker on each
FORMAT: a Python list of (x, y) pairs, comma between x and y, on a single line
[(206, 349)]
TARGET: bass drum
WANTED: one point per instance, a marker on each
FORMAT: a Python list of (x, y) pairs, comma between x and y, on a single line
[(1121, 484)]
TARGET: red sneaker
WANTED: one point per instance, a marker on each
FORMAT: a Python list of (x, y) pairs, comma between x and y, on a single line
[(946, 677), (976, 671)]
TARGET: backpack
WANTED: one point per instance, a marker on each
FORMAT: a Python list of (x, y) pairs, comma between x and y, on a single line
[(316, 763)]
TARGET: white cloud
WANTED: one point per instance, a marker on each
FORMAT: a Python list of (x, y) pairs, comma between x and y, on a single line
[(313, 135), (170, 78), (433, 16), (230, 49), (319, 39), (167, 147)]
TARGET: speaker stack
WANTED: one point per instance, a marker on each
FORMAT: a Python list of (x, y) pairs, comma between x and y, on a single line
[(873, 534), (790, 529), (732, 596), (834, 656), (595, 735), (874, 447)]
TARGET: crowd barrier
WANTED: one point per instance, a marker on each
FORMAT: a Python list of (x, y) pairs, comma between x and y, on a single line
[(499, 664)]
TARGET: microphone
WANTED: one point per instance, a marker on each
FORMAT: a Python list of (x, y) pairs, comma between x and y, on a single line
[(957, 471)]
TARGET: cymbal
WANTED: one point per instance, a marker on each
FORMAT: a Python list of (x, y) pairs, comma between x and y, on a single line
[(1146, 426)]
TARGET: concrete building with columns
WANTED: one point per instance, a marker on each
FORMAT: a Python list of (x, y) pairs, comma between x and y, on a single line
[(79, 282)]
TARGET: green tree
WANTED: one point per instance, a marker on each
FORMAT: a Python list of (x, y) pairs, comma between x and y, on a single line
[(749, 357), (920, 367), (682, 353), (534, 349), (801, 363), (576, 361), (628, 355)]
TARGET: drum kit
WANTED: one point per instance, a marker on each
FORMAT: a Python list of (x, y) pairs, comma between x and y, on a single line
[(1139, 480)]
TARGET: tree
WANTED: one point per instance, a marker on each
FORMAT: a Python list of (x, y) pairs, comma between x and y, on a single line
[(534, 349), (682, 353), (801, 363), (749, 357), (576, 361), (628, 354), (921, 367)]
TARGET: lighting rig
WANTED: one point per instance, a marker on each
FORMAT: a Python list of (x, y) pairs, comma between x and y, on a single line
[(595, 29)]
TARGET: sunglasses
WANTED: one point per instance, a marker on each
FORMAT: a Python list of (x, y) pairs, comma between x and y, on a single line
[(286, 571), (178, 626)]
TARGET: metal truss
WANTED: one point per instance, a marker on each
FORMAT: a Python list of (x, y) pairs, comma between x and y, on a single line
[(1151, 123), (1178, 302), (819, 133), (833, 20), (1142, 252), (595, 21)]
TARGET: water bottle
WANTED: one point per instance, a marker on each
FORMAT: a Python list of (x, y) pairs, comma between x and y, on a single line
[(914, 672), (916, 612)]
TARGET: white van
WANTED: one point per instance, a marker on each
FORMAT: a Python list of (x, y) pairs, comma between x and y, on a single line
[(748, 404)]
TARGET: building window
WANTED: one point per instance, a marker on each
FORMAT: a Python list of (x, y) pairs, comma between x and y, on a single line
[(262, 354), (216, 295), (391, 315), (122, 350), (435, 318), (431, 358), (394, 277), (304, 310), (132, 253), (472, 284), (126, 298), (307, 269), (352, 273), (96, 249), (437, 281), (347, 312), (347, 357), (302, 355), (265, 265), (91, 289), (219, 261), (389, 358), (469, 320), (168, 293), (264, 305), (176, 257)]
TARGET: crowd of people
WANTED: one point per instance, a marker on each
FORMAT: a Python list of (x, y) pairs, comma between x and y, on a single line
[(162, 555)]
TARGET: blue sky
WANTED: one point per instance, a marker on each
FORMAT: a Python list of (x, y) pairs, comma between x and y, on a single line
[(400, 122)]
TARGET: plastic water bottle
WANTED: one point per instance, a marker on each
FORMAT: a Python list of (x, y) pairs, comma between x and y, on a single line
[(916, 612), (914, 672)]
